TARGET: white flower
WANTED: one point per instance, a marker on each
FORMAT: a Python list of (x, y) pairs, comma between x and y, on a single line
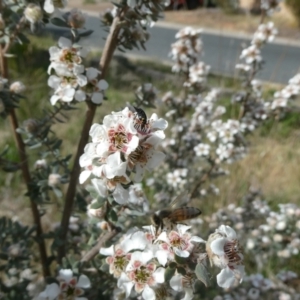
[(174, 179), (251, 54), (116, 134), (51, 5), (65, 88), (119, 256), (40, 164), (141, 274), (17, 87), (202, 149), (54, 180), (224, 251), (264, 33), (225, 151), (98, 86), (177, 242), (69, 287), (145, 157), (33, 13), (179, 283), (114, 185), (67, 57)]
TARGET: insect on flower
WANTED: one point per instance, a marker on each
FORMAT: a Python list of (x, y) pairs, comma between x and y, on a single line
[(141, 120), (170, 217)]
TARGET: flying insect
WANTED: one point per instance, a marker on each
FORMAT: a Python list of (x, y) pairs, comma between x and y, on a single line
[(170, 217)]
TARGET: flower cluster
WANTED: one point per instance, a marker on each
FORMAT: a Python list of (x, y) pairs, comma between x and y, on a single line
[(69, 287), (186, 50), (140, 259), (125, 144), (275, 233), (73, 81), (256, 287), (281, 102), (270, 6), (252, 55)]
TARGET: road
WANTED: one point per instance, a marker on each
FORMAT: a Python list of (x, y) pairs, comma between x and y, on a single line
[(221, 51)]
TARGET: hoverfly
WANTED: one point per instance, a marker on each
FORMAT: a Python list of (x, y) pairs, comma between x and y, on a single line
[(170, 217)]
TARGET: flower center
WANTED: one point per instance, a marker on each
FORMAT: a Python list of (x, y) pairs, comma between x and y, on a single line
[(178, 242), (142, 275), (120, 262)]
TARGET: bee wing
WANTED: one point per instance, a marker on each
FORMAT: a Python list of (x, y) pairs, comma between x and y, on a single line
[(181, 200)]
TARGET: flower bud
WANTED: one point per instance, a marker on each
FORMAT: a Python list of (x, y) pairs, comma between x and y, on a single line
[(103, 225), (14, 250), (95, 212), (40, 164), (76, 18), (17, 87), (31, 125), (33, 13), (54, 180), (2, 23)]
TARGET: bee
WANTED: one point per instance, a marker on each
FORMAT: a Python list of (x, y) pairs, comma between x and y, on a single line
[(170, 217), (141, 120)]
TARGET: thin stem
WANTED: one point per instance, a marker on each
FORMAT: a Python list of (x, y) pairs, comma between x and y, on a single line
[(102, 240), (109, 48), (26, 174)]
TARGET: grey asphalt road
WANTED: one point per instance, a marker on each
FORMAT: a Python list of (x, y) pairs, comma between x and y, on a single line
[(221, 52)]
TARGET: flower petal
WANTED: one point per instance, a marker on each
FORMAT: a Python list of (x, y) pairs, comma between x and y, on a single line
[(148, 293), (125, 284), (83, 282), (159, 275), (176, 283), (226, 278), (137, 241), (217, 246), (65, 274), (107, 251)]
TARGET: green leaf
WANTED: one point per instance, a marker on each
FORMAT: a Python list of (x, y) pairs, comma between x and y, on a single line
[(181, 260), (86, 33), (37, 145), (169, 273), (96, 205), (59, 22), (57, 192), (202, 274), (92, 240), (113, 215), (181, 270)]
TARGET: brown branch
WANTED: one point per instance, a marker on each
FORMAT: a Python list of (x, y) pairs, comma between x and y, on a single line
[(102, 240), (109, 48), (26, 174)]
